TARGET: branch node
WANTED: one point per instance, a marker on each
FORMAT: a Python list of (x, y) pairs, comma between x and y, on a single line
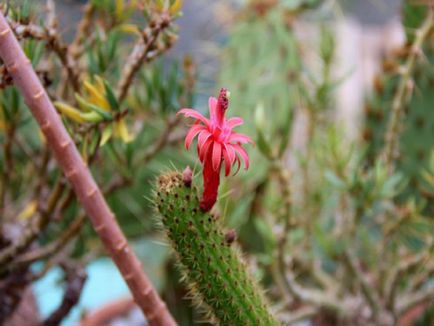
[(65, 143), (129, 277), (156, 311), (46, 125), (100, 227), (12, 67), (5, 32), (38, 95), (146, 292), (91, 192), (69, 174), (122, 246)]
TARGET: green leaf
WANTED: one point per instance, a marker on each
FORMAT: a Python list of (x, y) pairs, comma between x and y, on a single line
[(263, 145), (111, 97), (285, 132), (84, 105), (335, 180)]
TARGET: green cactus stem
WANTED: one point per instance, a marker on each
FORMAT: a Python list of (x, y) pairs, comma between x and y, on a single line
[(217, 277), (412, 128)]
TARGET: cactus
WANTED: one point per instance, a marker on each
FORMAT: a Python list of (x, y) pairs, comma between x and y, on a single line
[(217, 278), (416, 140)]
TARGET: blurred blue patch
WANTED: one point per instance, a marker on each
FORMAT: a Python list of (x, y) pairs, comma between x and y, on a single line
[(103, 285)]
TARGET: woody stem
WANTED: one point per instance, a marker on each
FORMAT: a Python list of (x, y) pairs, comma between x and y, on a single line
[(78, 174)]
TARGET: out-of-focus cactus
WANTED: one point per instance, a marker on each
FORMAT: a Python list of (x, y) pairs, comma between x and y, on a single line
[(416, 128), (218, 279)]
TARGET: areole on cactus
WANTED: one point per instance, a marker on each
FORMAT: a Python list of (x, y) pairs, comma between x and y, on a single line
[(216, 143)]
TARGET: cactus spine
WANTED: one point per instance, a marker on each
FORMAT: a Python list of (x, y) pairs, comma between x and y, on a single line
[(216, 276)]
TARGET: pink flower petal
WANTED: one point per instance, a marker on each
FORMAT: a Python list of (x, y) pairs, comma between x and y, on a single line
[(190, 113), (235, 121), (192, 133), (216, 143), (243, 154), (216, 156), (212, 105), (203, 137), (230, 151), (240, 138), (203, 151), (237, 160), (227, 159)]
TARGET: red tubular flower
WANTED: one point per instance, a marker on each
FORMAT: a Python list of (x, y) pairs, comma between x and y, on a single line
[(216, 143)]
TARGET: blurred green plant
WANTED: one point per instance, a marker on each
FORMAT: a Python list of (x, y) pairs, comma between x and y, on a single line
[(339, 235)]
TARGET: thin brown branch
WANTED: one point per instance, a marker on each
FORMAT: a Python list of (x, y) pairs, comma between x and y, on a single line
[(404, 265), (76, 47), (78, 174), (283, 178), (419, 280), (12, 289), (403, 93), (32, 231), (51, 36), (408, 301), (54, 247), (368, 290), (314, 269), (304, 313), (160, 142), (7, 167), (5, 78), (315, 297), (75, 277), (144, 51), (69, 65)]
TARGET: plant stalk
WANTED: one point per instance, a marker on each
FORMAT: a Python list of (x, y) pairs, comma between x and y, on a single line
[(78, 174)]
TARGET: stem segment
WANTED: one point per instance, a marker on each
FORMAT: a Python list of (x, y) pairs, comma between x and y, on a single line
[(403, 93)]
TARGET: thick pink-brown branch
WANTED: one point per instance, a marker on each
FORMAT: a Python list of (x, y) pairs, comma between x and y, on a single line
[(79, 176)]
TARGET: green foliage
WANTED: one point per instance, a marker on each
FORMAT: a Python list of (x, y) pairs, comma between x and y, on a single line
[(261, 65), (416, 141), (162, 89), (103, 56), (21, 10), (213, 268)]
